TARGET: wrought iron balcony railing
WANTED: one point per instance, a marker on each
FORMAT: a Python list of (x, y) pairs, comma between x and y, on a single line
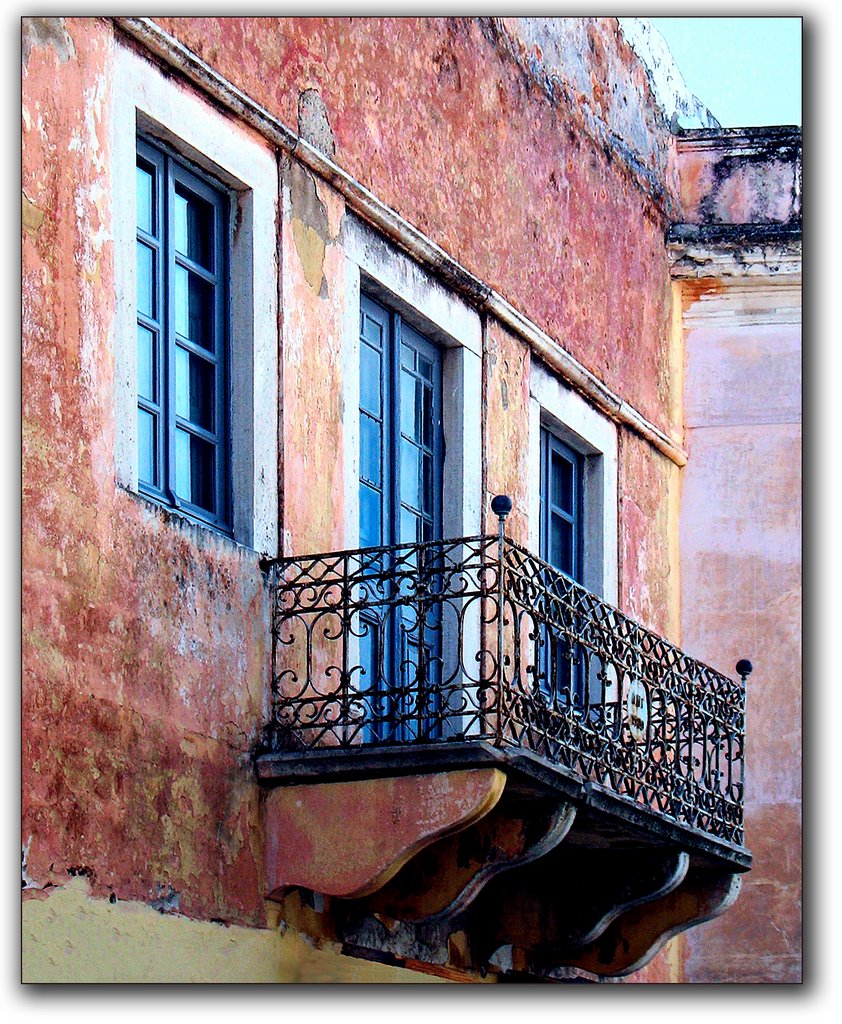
[(476, 639)]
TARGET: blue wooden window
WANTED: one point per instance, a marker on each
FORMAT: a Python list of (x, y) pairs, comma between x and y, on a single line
[(182, 357), (562, 675), (401, 439), (401, 454), (561, 506)]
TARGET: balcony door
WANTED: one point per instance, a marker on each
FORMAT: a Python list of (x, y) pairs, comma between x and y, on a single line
[(400, 488), (562, 677)]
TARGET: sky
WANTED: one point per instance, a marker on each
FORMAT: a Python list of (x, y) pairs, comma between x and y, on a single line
[(747, 71)]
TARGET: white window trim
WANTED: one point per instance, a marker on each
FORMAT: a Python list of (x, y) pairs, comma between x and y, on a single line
[(587, 431), (145, 100), (437, 313)]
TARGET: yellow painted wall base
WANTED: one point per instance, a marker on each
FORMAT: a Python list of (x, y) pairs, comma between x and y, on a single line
[(69, 937)]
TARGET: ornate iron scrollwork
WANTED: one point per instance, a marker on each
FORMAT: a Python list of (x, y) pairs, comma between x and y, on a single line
[(476, 638)]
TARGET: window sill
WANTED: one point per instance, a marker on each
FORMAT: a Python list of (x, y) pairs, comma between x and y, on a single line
[(191, 526)]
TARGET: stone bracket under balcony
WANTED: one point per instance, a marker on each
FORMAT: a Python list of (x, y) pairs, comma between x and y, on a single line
[(350, 839), (464, 859)]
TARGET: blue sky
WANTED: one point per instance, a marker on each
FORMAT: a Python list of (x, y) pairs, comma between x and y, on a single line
[(747, 71)]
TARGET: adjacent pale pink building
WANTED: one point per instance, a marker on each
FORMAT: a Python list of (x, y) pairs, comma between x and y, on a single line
[(738, 264)]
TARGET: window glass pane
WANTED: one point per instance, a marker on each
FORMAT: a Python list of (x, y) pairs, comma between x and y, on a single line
[(145, 208), (411, 527), (369, 379), (370, 531), (145, 280), (562, 483), (410, 474), (194, 308), (425, 368), (408, 357), (194, 388), (370, 445), (146, 447), (146, 363), (411, 406), (371, 330), (194, 470), (194, 227), (182, 465), (561, 550)]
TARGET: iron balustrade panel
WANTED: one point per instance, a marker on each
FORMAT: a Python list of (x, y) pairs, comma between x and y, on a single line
[(406, 644), (384, 645), (634, 715)]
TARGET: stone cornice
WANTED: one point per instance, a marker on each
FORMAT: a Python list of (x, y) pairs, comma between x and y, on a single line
[(742, 250)]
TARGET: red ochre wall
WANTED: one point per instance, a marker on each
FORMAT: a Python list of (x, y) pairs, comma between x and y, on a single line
[(146, 640), (441, 121)]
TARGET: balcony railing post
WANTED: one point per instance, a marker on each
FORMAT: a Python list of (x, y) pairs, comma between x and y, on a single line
[(421, 669), (744, 668), (501, 506), (345, 685)]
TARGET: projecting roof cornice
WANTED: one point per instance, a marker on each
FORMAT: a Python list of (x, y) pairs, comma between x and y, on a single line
[(734, 250)]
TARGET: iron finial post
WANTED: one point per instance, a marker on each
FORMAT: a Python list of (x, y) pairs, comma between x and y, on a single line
[(501, 506), (744, 668)]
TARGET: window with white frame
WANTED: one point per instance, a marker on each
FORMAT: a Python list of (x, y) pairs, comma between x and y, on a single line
[(573, 517), (573, 486), (443, 338), (562, 505), (412, 355), (194, 201)]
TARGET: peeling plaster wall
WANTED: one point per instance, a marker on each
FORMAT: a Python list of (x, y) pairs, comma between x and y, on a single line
[(509, 158), (313, 304), (680, 107), (145, 640), (740, 176), (69, 937), (648, 524), (585, 62), (506, 440), (740, 540)]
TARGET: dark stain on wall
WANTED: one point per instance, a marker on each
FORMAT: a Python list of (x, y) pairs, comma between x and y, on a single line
[(46, 32)]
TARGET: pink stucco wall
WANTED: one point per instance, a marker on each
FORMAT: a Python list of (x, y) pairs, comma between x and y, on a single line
[(740, 176), (741, 597), (475, 137)]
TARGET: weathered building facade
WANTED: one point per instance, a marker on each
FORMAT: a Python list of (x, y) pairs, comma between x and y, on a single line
[(340, 307), (737, 263)]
